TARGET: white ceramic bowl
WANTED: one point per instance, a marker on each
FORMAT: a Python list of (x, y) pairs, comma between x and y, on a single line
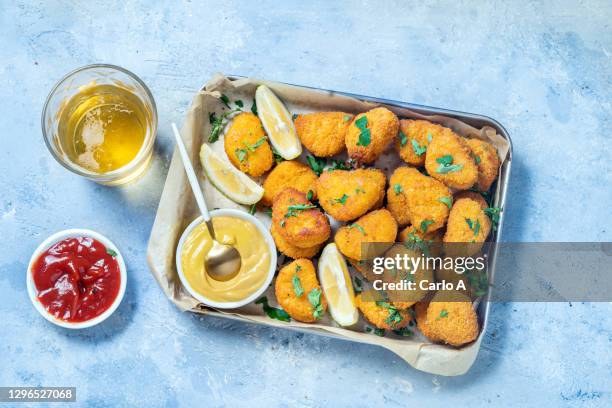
[(48, 243), (271, 247)]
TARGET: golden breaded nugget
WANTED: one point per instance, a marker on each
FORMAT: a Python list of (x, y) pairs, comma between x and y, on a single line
[(246, 145), (323, 133), (370, 133), (291, 250), (300, 222), (418, 199), (431, 236), (403, 270), (487, 161), (449, 160), (298, 291), (473, 196), (420, 311), (377, 227), (290, 173), (383, 314), (348, 194), (453, 322), (414, 137), (467, 223)]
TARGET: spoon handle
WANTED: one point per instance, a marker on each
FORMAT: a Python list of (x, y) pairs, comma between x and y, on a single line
[(193, 179)]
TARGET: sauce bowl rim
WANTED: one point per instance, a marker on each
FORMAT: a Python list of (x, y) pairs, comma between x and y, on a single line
[(271, 270), (54, 239)]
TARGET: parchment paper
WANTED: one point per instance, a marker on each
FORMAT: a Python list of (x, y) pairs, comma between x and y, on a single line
[(176, 210)]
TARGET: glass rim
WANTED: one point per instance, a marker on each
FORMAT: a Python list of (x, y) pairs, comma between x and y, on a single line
[(81, 171)]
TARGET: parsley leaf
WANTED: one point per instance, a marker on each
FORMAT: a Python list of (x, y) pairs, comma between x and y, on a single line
[(470, 223), (314, 297), (359, 190), (446, 200), (253, 209), (340, 200), (225, 100), (418, 149), (239, 103), (218, 123), (397, 188), (444, 313), (446, 165), (365, 136), (493, 213), (346, 118), (241, 154), (111, 252), (257, 144), (403, 139), (293, 209), (425, 224), (359, 228), (404, 332), (415, 242), (429, 137), (309, 195), (276, 155), (477, 227), (273, 312), (338, 165), (358, 285), (254, 107), (297, 285), (316, 164), (475, 157)]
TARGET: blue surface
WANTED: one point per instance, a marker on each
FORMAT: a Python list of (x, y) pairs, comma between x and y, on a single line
[(543, 70)]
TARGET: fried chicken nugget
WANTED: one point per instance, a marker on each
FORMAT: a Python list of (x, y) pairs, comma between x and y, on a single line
[(298, 221), (348, 194), (383, 315), (452, 321), (323, 133), (420, 311), (487, 161), (377, 228), (291, 250), (290, 173), (297, 288), (418, 199), (370, 133), (403, 299), (246, 145), (432, 240), (414, 137), (449, 160), (467, 223), (473, 196)]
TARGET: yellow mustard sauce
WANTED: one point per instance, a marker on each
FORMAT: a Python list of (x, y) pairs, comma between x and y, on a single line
[(254, 253)]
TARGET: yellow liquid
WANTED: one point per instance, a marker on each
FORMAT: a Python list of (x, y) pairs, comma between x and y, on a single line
[(103, 127)]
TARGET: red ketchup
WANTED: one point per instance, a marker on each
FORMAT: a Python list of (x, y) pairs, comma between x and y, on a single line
[(77, 279)]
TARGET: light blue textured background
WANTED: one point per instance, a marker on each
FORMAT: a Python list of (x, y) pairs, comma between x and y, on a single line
[(542, 69)]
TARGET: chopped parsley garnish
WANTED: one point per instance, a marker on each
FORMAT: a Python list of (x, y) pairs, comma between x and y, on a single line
[(394, 317), (316, 164), (444, 313), (294, 116), (418, 149), (376, 331), (358, 285), (225, 100), (446, 200), (253, 209), (309, 195), (493, 213), (365, 136), (425, 224), (358, 227), (470, 223), (415, 242), (254, 107), (403, 138), (242, 154), (346, 118), (314, 297), (404, 332), (268, 211), (282, 223), (292, 210), (340, 200), (273, 312), (218, 123), (429, 137), (475, 157), (297, 285), (446, 165), (397, 188), (276, 155), (359, 190), (338, 165), (474, 226), (239, 103), (111, 252)]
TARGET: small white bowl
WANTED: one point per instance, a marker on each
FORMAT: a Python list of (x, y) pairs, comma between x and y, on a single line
[(271, 247), (54, 239)]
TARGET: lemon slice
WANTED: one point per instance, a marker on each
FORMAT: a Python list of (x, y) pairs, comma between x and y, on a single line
[(336, 283), (278, 123), (236, 185)]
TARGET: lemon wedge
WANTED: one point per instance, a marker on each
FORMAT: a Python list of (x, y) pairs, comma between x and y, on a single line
[(236, 185), (278, 123), (336, 283)]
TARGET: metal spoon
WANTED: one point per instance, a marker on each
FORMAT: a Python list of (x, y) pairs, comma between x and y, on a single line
[(222, 262)]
